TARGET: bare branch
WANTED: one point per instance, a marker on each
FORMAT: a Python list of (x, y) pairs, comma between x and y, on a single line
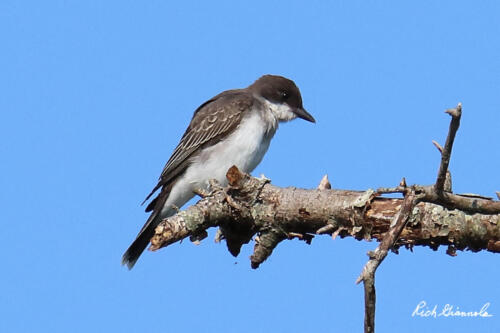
[(377, 256), (455, 114), (397, 225), (264, 206), (456, 201)]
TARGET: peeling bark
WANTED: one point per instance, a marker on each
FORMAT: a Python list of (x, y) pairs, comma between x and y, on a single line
[(251, 206)]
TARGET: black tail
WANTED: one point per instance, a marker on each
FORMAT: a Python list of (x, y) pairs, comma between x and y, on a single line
[(140, 243), (135, 250)]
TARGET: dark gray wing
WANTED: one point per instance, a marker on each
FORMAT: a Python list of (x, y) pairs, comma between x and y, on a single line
[(211, 122)]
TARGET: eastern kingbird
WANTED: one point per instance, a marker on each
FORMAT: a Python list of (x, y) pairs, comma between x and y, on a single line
[(233, 128)]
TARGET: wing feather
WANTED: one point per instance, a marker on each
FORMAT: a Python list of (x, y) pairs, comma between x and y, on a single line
[(211, 122)]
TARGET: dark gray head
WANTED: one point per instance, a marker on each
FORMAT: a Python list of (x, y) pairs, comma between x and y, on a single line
[(283, 95)]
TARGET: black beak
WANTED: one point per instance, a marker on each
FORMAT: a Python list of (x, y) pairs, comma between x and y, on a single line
[(301, 113)]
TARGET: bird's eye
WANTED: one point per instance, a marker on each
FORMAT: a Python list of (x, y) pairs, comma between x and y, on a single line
[(284, 95)]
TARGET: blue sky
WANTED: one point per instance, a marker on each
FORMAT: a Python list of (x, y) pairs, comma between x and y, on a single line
[(96, 94)]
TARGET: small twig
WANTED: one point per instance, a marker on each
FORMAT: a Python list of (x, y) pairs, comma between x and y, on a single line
[(292, 235), (438, 146), (326, 229), (390, 190), (337, 232), (451, 250), (219, 236), (324, 184), (402, 183), (264, 246), (304, 237), (377, 256), (455, 114), (454, 201), (447, 181), (202, 193)]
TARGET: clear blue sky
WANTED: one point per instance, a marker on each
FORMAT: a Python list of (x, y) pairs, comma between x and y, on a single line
[(94, 96)]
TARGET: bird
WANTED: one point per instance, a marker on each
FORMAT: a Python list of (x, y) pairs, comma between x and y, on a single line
[(233, 128)]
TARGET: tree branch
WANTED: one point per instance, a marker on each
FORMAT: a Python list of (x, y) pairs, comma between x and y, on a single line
[(427, 216), (377, 256), (362, 215), (455, 114)]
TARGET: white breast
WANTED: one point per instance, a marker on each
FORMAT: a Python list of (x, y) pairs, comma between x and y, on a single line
[(245, 148)]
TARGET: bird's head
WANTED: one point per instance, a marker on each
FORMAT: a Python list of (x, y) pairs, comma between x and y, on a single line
[(282, 96)]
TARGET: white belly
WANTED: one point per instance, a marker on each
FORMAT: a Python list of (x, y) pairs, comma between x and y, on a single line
[(245, 148)]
